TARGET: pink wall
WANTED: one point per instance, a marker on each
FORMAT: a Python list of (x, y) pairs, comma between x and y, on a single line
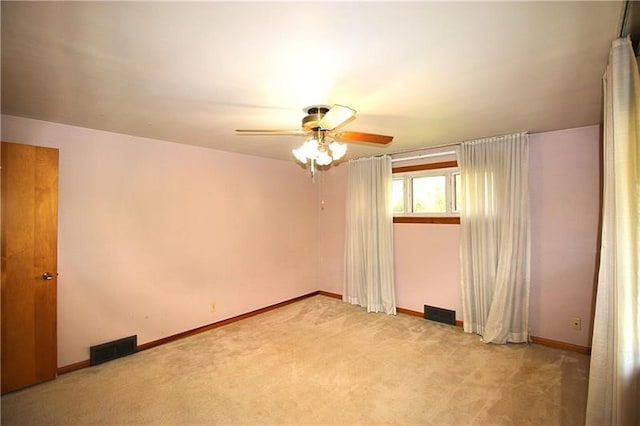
[(331, 199), (152, 233), (427, 264), (564, 181), (564, 184)]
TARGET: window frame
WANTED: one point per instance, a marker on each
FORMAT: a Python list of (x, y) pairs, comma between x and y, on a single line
[(408, 172)]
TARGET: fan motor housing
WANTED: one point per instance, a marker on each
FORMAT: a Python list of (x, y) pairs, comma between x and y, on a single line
[(313, 117)]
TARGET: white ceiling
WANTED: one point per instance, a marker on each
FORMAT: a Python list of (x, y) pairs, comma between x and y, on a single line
[(428, 73)]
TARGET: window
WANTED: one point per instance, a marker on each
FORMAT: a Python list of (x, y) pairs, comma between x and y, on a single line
[(428, 193)]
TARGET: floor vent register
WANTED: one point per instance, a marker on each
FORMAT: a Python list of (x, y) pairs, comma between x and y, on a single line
[(112, 350), (442, 315)]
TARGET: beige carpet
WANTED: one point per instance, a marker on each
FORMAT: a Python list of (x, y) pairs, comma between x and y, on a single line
[(318, 361)]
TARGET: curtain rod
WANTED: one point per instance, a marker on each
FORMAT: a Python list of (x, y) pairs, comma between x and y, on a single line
[(417, 157), (446, 145)]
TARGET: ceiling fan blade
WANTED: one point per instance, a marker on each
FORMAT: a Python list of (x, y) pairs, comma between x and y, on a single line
[(271, 132), (336, 117), (362, 137)]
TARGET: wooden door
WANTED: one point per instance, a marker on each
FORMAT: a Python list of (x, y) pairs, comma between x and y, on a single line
[(29, 264)]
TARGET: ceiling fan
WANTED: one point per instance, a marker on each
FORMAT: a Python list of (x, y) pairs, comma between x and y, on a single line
[(322, 124), (322, 118)]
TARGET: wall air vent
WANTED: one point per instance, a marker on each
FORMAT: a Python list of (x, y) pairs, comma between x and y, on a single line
[(112, 350), (445, 316)]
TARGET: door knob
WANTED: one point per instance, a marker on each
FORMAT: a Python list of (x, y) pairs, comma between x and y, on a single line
[(47, 276)]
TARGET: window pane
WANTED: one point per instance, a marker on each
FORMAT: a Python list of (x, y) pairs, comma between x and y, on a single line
[(456, 192), (429, 194), (397, 197)]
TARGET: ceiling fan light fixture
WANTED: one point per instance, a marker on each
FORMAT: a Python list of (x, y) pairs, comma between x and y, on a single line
[(307, 151), (324, 159), (319, 152), (337, 150), (299, 154)]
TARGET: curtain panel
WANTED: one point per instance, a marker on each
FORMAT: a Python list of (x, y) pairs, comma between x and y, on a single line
[(614, 374), (369, 272), (495, 241)]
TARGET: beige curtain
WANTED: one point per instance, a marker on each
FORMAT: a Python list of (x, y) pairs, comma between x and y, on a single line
[(369, 273), (614, 375), (494, 219)]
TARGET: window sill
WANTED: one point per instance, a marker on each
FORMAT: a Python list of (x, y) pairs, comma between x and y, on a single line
[(422, 219)]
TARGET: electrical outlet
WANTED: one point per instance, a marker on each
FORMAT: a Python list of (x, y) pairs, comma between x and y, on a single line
[(213, 307), (576, 323)]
